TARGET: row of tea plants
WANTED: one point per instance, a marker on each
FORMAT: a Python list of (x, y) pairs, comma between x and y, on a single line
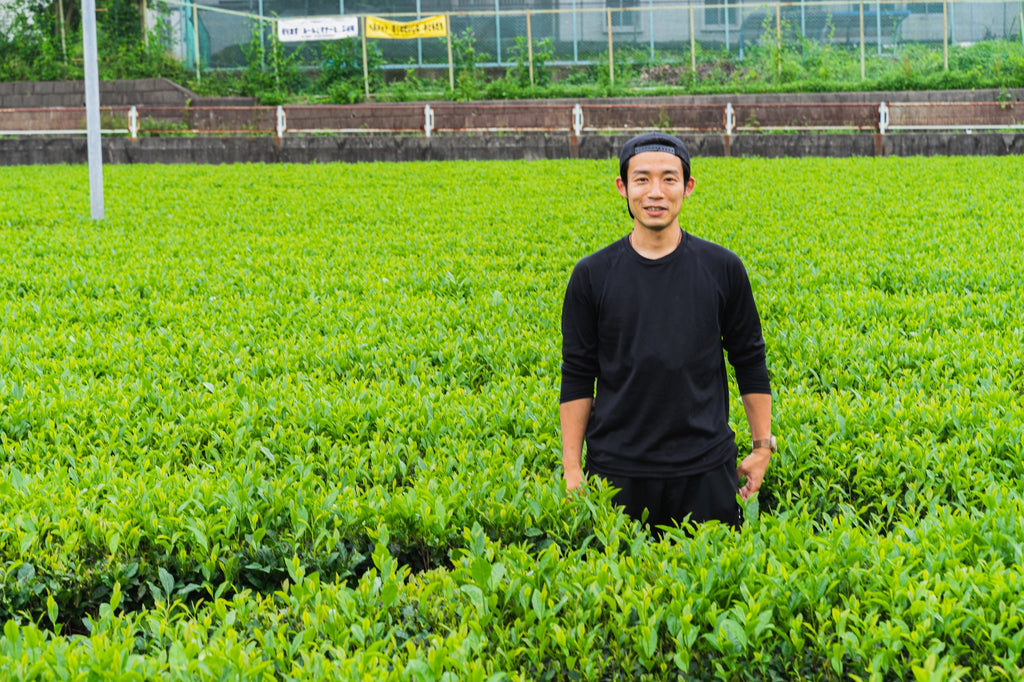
[(300, 422)]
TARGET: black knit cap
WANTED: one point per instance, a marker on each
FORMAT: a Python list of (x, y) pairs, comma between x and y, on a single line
[(654, 142)]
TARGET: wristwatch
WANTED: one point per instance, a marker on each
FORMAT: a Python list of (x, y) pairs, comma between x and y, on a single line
[(766, 443)]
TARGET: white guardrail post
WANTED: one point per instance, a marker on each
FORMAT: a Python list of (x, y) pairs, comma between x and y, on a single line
[(428, 120), (282, 121), (730, 118), (577, 120), (133, 122), (883, 117)]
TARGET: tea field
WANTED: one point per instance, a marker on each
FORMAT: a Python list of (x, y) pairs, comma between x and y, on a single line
[(300, 422)]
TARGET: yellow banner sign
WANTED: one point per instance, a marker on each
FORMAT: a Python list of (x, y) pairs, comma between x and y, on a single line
[(431, 27)]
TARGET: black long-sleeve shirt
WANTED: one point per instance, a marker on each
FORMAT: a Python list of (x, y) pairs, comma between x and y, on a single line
[(652, 334)]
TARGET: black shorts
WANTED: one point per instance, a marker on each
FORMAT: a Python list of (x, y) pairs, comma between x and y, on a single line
[(704, 497)]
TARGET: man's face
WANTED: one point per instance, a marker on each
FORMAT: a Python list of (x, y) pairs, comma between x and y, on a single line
[(654, 189)]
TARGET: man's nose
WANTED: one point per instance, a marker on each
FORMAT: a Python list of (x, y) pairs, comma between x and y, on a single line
[(656, 188)]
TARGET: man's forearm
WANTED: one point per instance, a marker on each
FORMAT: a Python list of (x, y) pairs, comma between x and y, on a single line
[(758, 407), (574, 416)]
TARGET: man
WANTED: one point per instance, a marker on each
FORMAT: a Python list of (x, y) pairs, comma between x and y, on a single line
[(648, 317)]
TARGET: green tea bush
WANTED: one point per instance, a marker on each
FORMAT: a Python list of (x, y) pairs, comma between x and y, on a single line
[(300, 422)]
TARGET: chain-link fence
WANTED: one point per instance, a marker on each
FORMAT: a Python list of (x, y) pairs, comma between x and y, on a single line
[(637, 39)]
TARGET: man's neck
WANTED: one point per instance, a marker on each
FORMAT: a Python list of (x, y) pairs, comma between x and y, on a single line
[(654, 244)]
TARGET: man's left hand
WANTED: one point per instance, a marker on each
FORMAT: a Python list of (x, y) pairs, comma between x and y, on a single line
[(753, 468)]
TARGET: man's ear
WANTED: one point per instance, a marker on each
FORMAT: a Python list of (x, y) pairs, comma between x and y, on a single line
[(621, 186), (689, 187)]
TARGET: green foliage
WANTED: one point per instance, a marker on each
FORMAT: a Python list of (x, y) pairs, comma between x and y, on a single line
[(244, 435), (519, 73), (38, 46), (32, 45), (341, 70), (469, 78), (271, 72)]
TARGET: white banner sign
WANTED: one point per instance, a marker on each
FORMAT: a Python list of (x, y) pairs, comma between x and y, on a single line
[(317, 28)]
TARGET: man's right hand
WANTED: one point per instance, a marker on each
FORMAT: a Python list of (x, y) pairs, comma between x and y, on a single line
[(573, 479)]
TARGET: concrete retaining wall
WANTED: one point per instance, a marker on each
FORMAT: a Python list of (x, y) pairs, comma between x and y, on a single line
[(370, 148)]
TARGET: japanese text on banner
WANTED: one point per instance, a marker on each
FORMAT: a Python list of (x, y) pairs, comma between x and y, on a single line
[(317, 28), (431, 27)]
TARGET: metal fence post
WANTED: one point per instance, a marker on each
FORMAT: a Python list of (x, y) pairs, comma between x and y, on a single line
[(133, 122), (611, 61), (575, 36), (366, 70), (650, 11), (195, 32), (863, 72), (778, 34), (263, 47), (727, 27), (730, 118), (63, 36), (497, 31), (952, 23), (878, 27), (428, 120), (945, 35), (693, 45), (419, 41), (282, 122), (529, 45), (883, 117), (451, 63)]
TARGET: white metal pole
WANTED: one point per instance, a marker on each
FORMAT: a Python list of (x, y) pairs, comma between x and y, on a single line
[(92, 107)]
